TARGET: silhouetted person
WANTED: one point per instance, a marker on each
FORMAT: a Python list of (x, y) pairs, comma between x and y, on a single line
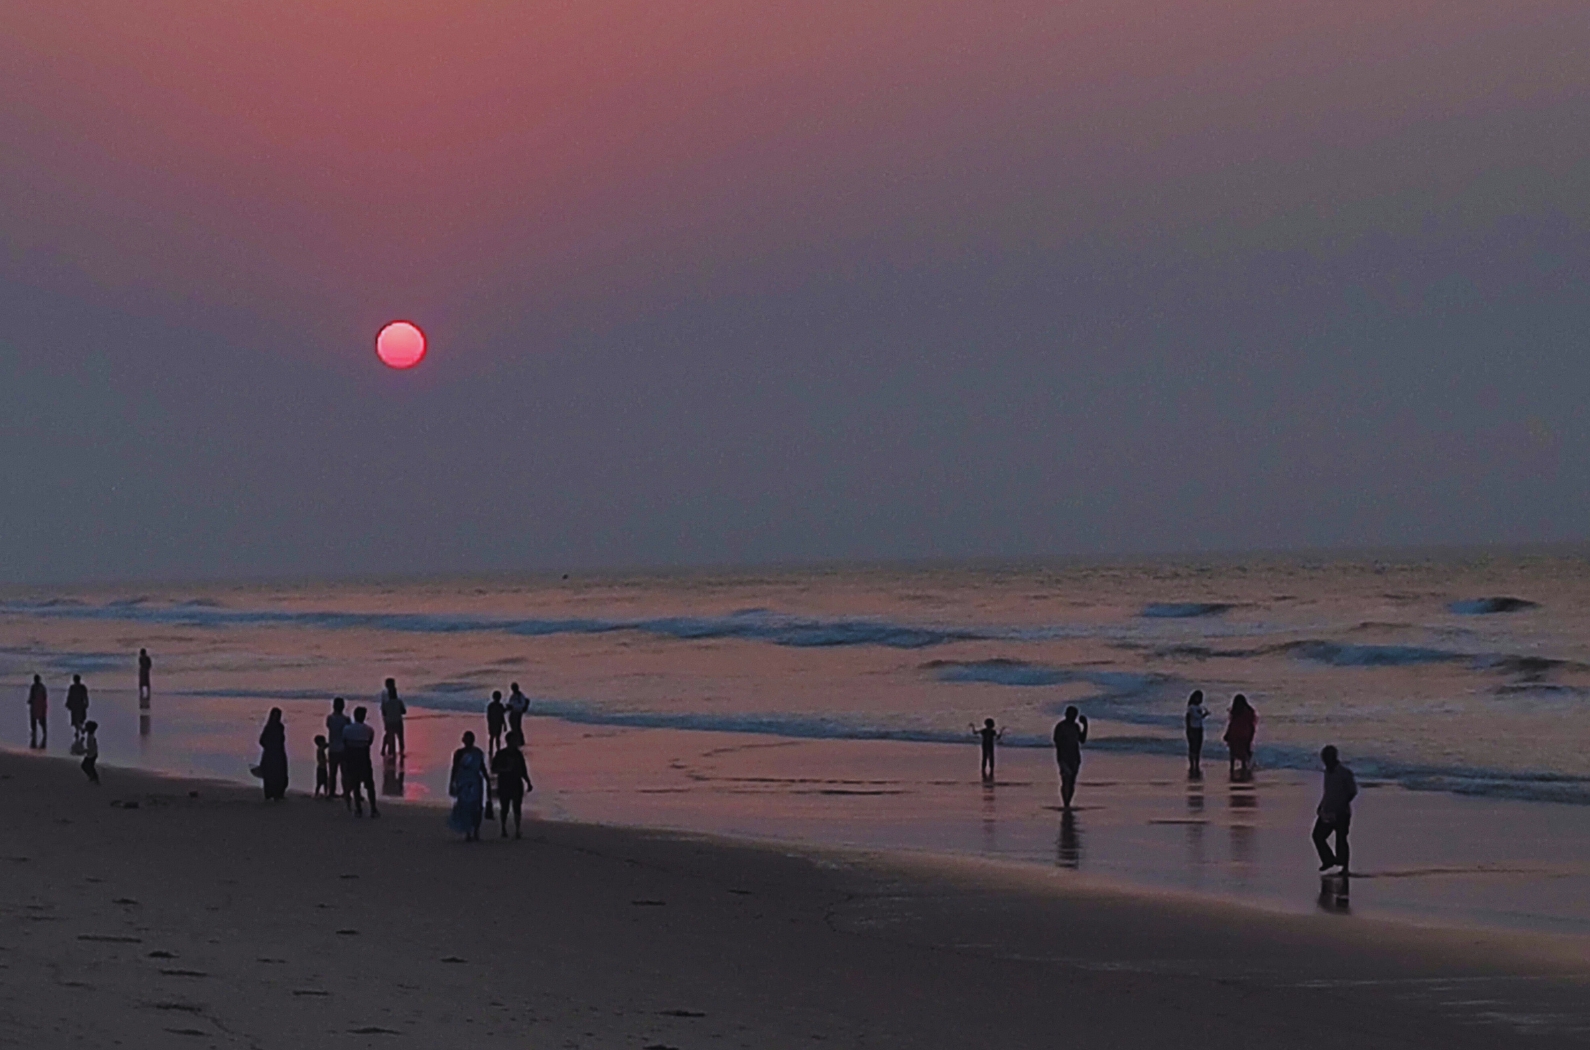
[(1196, 713), (1240, 729), (320, 766), (518, 704), (336, 722), (1070, 733), (77, 705), (467, 784), (1335, 812), (513, 780), (392, 712), (358, 775), (145, 665), (989, 736), (273, 756), (495, 714), (90, 751), (38, 714)]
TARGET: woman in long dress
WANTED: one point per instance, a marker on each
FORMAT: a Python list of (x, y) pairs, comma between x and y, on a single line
[(1240, 729), (273, 757), (467, 784)]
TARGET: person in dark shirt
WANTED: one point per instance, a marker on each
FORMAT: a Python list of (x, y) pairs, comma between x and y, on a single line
[(989, 736), (77, 705), (496, 713), (38, 714), (513, 780), (144, 666), (357, 772), (336, 722), (1334, 816), (518, 707), (1070, 733)]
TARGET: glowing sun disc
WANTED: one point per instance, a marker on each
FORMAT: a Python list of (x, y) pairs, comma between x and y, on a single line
[(400, 345)]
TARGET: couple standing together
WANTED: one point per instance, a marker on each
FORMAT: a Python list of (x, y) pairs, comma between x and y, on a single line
[(348, 743)]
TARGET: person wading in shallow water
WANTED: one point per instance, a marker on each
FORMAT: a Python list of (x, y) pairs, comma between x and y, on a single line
[(1335, 812), (1070, 733), (77, 706), (145, 665), (1196, 713), (392, 711), (38, 714), (495, 713), (518, 705), (989, 736)]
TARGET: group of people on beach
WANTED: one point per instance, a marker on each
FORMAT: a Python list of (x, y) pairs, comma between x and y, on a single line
[(85, 739)]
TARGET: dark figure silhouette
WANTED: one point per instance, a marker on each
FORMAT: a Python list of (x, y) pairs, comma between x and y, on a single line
[(38, 714), (518, 704), (358, 775), (1196, 713), (989, 736), (336, 722), (1335, 812), (90, 751), (145, 665), (513, 780), (495, 714), (467, 784), (77, 705), (392, 712), (1240, 729), (320, 766), (273, 756), (1070, 733)]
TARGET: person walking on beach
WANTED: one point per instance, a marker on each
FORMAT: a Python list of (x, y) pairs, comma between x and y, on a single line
[(495, 713), (518, 704), (1335, 813), (38, 714), (1196, 713), (273, 756), (90, 752), (1240, 729), (392, 712), (336, 722), (1070, 733), (467, 784), (513, 780), (989, 736), (77, 706), (144, 666), (358, 775)]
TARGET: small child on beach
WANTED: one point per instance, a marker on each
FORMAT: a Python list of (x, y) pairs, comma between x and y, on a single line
[(322, 745), (989, 736), (90, 751)]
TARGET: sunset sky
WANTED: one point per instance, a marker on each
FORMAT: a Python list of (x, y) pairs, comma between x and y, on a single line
[(716, 282)]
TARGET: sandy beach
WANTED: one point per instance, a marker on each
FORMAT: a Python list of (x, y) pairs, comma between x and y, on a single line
[(157, 912)]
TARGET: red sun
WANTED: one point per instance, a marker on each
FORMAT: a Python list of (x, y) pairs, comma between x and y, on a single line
[(400, 345)]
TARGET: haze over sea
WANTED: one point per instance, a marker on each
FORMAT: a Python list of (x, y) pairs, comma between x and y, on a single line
[(1456, 672)]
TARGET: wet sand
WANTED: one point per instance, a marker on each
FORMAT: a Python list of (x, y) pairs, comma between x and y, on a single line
[(156, 913)]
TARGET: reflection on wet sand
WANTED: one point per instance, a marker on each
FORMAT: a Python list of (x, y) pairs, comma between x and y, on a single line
[(1333, 894), (392, 778), (1068, 847)]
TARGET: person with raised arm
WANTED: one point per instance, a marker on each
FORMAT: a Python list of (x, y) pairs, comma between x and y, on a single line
[(1070, 733)]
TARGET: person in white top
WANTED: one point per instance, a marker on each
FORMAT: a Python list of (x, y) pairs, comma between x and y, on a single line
[(1196, 713)]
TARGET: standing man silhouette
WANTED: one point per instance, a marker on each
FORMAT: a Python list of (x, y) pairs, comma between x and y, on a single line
[(77, 706), (38, 714), (1070, 733), (518, 704), (1335, 812), (336, 722), (392, 711), (144, 666)]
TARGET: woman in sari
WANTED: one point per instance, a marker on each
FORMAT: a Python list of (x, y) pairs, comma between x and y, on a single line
[(467, 784), (273, 757), (1241, 726)]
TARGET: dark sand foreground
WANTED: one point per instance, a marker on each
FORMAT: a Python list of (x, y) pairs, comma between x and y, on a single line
[(217, 921)]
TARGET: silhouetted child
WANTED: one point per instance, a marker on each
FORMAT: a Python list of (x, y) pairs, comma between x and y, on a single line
[(90, 751), (322, 787), (989, 736), (496, 713)]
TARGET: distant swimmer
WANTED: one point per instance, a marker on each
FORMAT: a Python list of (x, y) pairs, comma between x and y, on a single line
[(336, 722), (495, 713), (392, 712), (145, 665), (358, 775), (90, 751), (38, 714), (77, 706), (1196, 713), (1335, 812), (1240, 728), (989, 736), (518, 705), (1070, 733)]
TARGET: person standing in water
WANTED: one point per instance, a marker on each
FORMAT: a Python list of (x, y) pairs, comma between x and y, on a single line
[(38, 714), (336, 722), (1240, 730), (513, 780), (358, 775), (989, 736), (144, 666), (1334, 816), (77, 706), (1196, 713), (518, 704), (91, 752), (467, 784), (392, 712), (495, 713), (1070, 733)]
